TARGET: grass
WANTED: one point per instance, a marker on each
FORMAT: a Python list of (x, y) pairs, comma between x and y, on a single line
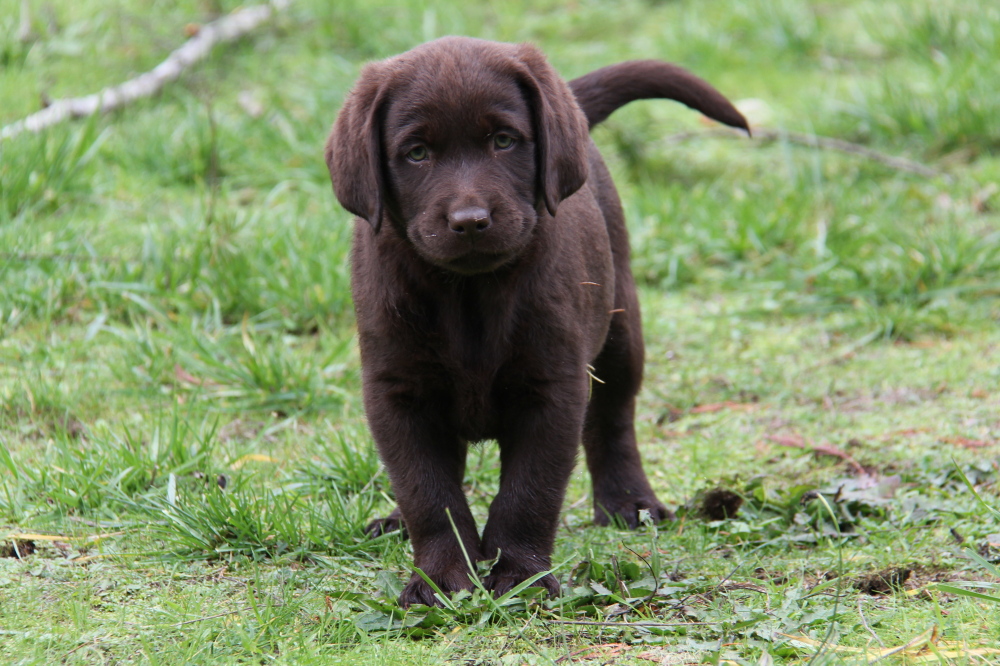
[(185, 470)]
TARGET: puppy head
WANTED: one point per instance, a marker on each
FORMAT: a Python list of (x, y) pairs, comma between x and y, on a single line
[(459, 144)]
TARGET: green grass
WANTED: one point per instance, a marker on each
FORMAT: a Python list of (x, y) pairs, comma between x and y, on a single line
[(185, 470)]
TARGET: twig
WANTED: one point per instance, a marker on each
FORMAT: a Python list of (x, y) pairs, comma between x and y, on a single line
[(588, 652), (634, 624), (848, 351), (186, 622), (733, 585), (31, 256), (225, 29), (814, 141), (201, 619), (796, 442), (94, 641), (861, 612)]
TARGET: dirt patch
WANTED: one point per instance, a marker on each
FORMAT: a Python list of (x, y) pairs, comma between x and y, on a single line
[(886, 581), (718, 504), (893, 397), (760, 573), (18, 549)]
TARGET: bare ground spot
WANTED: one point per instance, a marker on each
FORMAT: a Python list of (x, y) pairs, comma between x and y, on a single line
[(18, 549)]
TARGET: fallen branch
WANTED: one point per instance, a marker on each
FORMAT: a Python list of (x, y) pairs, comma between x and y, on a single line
[(967, 443), (634, 624), (34, 256), (796, 442), (813, 141), (225, 29), (612, 650)]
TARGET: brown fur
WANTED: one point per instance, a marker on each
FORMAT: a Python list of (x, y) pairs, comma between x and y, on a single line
[(489, 277)]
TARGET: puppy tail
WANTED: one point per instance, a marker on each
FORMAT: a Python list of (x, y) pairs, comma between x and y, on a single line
[(604, 90)]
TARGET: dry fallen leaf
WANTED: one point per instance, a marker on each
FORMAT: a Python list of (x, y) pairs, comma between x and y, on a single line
[(793, 441), (604, 651), (720, 406), (924, 648), (666, 657), (905, 432), (967, 443), (831, 450), (251, 457), (186, 377)]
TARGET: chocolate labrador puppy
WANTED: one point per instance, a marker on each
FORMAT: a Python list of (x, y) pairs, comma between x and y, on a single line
[(493, 293)]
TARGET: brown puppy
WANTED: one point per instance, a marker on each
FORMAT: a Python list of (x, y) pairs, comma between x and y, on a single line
[(491, 281)]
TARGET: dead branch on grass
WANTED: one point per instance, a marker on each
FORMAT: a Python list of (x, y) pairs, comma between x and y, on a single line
[(225, 29), (813, 141), (586, 623)]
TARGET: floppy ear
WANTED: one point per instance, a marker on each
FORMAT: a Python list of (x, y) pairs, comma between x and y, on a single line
[(560, 129), (354, 149)]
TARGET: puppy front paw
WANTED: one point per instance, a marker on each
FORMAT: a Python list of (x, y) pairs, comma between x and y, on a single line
[(625, 508), (507, 574), (417, 591)]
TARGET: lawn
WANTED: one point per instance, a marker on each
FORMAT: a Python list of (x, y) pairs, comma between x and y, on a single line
[(185, 467)]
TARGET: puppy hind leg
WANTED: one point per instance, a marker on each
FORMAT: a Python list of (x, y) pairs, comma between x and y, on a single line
[(620, 486)]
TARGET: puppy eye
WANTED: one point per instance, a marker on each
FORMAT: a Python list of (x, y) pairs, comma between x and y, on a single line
[(503, 141), (417, 154)]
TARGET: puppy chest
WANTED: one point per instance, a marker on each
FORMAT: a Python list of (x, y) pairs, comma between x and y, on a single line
[(475, 410), (483, 408)]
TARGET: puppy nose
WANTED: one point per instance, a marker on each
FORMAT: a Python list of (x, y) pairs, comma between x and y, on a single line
[(469, 221)]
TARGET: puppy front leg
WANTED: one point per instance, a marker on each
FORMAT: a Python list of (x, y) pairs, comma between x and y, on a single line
[(537, 454), (426, 464)]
